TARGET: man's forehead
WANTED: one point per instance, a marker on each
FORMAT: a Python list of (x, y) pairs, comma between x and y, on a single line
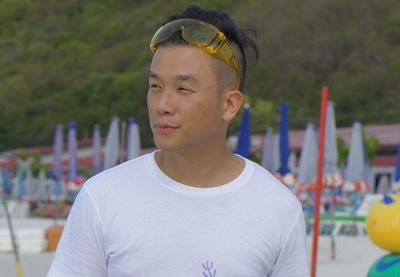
[(180, 55)]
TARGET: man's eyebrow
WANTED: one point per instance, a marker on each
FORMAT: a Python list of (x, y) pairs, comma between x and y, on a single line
[(181, 77), (187, 78), (154, 75)]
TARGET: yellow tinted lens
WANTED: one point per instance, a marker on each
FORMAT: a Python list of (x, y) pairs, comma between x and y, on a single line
[(163, 34), (226, 53), (199, 34)]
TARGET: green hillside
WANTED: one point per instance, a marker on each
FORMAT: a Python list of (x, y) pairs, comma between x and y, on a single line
[(85, 61)]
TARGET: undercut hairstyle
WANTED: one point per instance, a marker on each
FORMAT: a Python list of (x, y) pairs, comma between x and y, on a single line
[(239, 39)]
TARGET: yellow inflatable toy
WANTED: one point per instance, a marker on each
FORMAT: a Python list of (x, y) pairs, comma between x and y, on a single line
[(383, 223)]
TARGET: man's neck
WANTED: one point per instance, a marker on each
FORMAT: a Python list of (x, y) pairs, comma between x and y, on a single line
[(197, 169)]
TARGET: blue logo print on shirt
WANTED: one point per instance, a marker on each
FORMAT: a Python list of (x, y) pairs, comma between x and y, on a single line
[(208, 269)]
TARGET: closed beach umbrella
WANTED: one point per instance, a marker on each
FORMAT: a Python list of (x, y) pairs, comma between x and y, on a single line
[(111, 148), (396, 185), (132, 140), (21, 176), (357, 165), (6, 181), (308, 158), (332, 175), (57, 189), (267, 160), (243, 144), (284, 172), (284, 140), (96, 144), (72, 152)]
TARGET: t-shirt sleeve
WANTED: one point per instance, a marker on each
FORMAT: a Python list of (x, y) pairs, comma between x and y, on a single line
[(80, 250), (292, 258)]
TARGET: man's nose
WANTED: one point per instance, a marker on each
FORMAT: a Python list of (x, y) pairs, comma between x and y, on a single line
[(166, 103)]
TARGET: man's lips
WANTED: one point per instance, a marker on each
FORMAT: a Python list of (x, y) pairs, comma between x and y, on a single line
[(165, 128)]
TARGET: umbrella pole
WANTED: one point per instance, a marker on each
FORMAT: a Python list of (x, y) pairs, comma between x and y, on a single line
[(324, 102), (18, 266)]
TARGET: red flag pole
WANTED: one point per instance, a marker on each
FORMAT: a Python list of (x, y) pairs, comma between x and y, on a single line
[(324, 102)]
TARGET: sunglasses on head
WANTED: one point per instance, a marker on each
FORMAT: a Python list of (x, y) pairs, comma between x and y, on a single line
[(202, 35)]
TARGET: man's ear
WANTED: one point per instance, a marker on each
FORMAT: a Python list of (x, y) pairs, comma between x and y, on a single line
[(232, 103)]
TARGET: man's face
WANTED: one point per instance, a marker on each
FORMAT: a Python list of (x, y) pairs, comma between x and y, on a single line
[(184, 104)]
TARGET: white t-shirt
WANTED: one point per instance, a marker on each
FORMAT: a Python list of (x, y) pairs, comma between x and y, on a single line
[(133, 220)]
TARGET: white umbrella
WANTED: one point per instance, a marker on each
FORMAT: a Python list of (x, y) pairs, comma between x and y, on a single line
[(42, 186), (72, 152), (308, 158), (357, 163), (332, 176), (96, 144), (57, 189), (276, 153), (111, 148), (267, 160), (132, 140)]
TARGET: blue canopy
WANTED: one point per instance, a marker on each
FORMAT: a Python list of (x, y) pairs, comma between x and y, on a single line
[(243, 144), (397, 175), (284, 140)]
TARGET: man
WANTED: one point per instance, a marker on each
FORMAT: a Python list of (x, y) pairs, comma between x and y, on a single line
[(192, 208)]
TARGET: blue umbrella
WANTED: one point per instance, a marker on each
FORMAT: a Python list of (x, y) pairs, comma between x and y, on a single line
[(243, 144), (132, 140), (284, 140), (57, 161), (396, 185), (96, 164), (397, 174), (7, 184), (111, 148), (72, 152)]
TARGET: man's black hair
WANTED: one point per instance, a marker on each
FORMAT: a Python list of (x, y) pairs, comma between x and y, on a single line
[(224, 23)]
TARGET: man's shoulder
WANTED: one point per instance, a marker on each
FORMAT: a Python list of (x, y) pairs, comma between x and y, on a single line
[(275, 194), (268, 181), (119, 175)]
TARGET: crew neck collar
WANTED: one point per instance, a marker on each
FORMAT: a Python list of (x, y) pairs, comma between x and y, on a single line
[(178, 187)]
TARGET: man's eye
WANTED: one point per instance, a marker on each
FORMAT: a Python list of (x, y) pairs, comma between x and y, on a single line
[(155, 86), (185, 90)]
